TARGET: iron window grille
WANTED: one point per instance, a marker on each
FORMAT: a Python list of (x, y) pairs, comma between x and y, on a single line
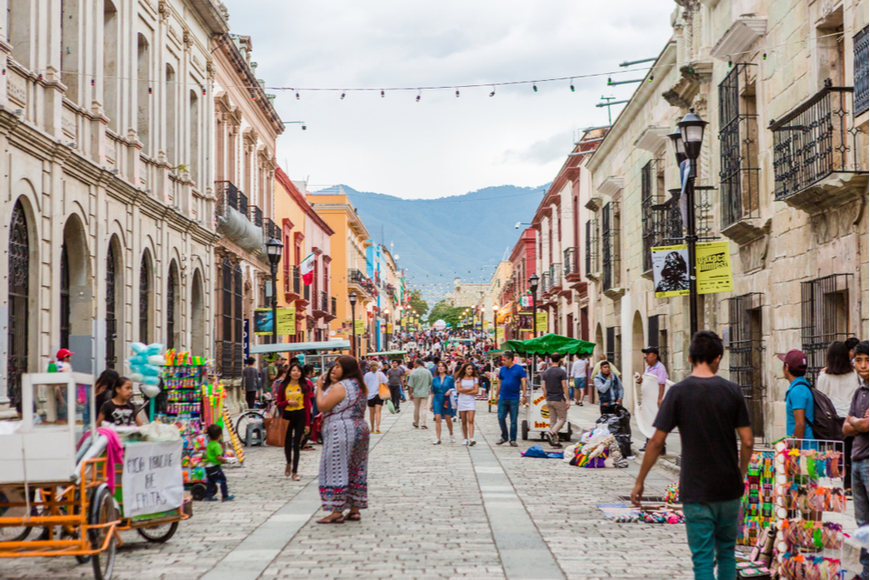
[(591, 246), (555, 275), (171, 293), (611, 344), (738, 149), (256, 216), (824, 317), (570, 259), (610, 245), (545, 283), (144, 299), (812, 142), (861, 55), (238, 316), (657, 335), (19, 303), (746, 350), (649, 197)]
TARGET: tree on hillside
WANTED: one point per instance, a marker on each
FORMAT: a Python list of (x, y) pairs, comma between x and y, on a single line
[(445, 311), (417, 303)]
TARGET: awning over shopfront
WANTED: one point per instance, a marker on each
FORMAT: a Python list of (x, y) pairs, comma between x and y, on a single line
[(300, 346)]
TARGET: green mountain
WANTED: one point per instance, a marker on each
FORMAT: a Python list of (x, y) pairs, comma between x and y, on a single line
[(437, 240)]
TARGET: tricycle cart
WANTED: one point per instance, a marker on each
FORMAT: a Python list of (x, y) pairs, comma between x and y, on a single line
[(45, 484), (537, 418)]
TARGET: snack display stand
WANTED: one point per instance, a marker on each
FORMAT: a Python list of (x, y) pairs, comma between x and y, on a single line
[(758, 500)]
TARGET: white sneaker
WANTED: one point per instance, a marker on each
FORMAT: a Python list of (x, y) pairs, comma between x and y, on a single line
[(437, 442), (465, 441), (472, 442), (452, 439)]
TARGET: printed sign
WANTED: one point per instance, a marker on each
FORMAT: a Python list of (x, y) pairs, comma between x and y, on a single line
[(246, 338), (499, 335), (263, 321), (542, 322), (525, 320), (152, 481), (671, 270), (713, 267), (360, 326), (389, 328)]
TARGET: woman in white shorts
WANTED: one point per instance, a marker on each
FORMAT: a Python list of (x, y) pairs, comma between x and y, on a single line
[(467, 385)]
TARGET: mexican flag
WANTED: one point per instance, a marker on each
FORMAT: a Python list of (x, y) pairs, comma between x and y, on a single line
[(307, 269)]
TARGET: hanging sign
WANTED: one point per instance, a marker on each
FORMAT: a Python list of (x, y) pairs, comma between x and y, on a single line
[(360, 327), (671, 270), (263, 321), (499, 335), (286, 321), (713, 267), (542, 322), (525, 320), (152, 482), (389, 328)]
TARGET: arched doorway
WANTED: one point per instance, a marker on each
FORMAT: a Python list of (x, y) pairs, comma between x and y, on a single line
[(599, 340), (76, 295), (636, 363), (113, 299), (173, 308), (18, 336), (145, 298), (197, 316)]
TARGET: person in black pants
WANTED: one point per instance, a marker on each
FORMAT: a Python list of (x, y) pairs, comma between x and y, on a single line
[(395, 376), (295, 402)]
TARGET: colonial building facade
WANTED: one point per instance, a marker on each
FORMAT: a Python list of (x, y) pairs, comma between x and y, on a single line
[(105, 115)]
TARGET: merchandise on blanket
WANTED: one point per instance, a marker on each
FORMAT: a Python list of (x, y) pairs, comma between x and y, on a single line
[(538, 452), (569, 452), (794, 566), (758, 499), (672, 493), (658, 514), (754, 571)]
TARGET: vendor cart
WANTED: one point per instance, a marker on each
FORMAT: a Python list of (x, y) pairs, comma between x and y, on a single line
[(45, 483), (537, 418)]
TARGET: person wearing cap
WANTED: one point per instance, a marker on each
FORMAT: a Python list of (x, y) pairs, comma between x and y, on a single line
[(654, 367), (799, 412), (856, 425), (64, 360)]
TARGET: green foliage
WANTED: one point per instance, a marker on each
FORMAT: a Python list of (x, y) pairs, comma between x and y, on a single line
[(448, 313), (417, 303)]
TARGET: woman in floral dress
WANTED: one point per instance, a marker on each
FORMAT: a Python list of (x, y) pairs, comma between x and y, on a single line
[(345, 435)]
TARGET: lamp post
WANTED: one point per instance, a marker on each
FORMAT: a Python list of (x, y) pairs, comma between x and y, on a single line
[(387, 328), (687, 146), (352, 298), (533, 286), (495, 325), (274, 248)]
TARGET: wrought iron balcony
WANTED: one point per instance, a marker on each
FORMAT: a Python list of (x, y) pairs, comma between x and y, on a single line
[(815, 158), (571, 260), (545, 283), (228, 195), (356, 277), (321, 305), (555, 276), (291, 280), (271, 229), (256, 216)]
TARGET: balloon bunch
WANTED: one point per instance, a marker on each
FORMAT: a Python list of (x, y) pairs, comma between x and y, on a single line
[(145, 363)]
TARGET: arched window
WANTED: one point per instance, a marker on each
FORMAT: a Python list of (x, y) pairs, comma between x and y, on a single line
[(171, 307), (143, 104), (145, 298), (111, 317), (197, 316), (64, 297), (19, 298)]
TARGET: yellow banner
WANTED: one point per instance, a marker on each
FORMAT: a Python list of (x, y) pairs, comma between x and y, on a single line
[(499, 335), (542, 322), (286, 321), (263, 321), (486, 324), (360, 327), (713, 267), (389, 328)]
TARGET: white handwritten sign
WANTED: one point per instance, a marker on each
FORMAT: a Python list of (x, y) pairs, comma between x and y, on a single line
[(152, 481)]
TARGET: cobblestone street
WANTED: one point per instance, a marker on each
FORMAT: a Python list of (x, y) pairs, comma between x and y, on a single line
[(435, 512)]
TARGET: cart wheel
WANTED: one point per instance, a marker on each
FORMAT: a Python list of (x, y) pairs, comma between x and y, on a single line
[(197, 490), (74, 536), (525, 429), (12, 533), (244, 419), (102, 511), (159, 533)]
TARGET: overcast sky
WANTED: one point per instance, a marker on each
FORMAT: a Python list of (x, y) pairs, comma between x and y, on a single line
[(442, 145)]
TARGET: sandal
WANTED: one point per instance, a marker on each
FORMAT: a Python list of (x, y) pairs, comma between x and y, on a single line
[(354, 517), (331, 520), (295, 477)]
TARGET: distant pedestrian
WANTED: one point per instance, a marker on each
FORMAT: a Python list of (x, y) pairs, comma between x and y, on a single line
[(373, 380), (345, 435), (856, 425), (467, 385), (419, 386), (579, 374), (512, 391), (251, 381), (558, 398), (64, 361), (442, 387), (295, 404), (395, 377), (799, 410), (609, 387), (708, 410), (839, 381), (651, 390), (214, 458)]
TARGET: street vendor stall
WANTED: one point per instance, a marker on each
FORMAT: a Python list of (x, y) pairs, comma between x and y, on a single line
[(320, 354), (391, 355), (537, 417)]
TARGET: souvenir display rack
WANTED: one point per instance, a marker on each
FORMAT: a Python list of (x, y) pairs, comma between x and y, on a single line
[(184, 379), (758, 512), (809, 495)]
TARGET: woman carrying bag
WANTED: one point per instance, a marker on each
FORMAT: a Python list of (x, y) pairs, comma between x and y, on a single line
[(295, 403), (376, 385)]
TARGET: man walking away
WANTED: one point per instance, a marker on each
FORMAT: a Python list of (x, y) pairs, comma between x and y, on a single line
[(558, 401), (707, 410), (856, 426), (579, 374), (251, 382), (609, 387), (513, 383), (799, 409), (395, 375), (419, 385)]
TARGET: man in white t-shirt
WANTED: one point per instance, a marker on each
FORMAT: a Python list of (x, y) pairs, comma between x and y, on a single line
[(579, 375)]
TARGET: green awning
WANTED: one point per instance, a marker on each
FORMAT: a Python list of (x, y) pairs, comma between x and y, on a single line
[(388, 353), (549, 344)]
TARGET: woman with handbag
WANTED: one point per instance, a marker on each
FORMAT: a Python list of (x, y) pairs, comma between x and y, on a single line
[(375, 381), (467, 385), (295, 404), (344, 462), (442, 387)]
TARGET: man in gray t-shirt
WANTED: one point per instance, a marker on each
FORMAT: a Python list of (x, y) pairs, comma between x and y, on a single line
[(395, 376), (250, 381), (558, 401)]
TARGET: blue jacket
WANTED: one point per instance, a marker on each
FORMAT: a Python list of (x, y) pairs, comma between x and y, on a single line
[(609, 389)]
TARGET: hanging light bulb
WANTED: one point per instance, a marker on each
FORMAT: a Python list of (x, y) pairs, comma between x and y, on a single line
[(418, 97), (609, 81), (297, 95), (572, 85), (764, 56), (382, 94), (457, 93), (535, 88), (342, 96), (729, 62), (492, 94)]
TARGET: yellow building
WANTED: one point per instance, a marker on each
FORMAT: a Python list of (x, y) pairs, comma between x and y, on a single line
[(351, 271)]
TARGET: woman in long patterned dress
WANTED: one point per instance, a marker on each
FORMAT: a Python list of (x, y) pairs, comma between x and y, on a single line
[(345, 434)]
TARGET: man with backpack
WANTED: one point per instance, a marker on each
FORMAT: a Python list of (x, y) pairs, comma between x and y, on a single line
[(799, 403)]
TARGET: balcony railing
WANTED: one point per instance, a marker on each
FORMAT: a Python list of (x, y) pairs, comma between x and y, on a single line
[(324, 302), (545, 282), (270, 229), (228, 195), (356, 277), (571, 261), (334, 306), (297, 279), (555, 275), (256, 216), (291, 279), (306, 292), (814, 141)]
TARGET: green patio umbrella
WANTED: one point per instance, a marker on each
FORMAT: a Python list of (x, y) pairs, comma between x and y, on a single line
[(549, 344)]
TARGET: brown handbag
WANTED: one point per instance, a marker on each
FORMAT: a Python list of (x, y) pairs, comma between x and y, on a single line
[(276, 431)]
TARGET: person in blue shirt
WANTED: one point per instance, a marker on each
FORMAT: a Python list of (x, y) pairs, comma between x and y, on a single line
[(512, 391), (799, 414)]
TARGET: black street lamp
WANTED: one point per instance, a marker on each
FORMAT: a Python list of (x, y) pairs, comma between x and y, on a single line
[(352, 298), (495, 325), (687, 146), (274, 248), (386, 329), (533, 286)]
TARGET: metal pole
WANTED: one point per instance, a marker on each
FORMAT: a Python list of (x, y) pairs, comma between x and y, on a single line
[(691, 240), (274, 303), (353, 328)]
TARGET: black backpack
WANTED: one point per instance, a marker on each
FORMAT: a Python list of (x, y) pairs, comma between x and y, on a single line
[(826, 424)]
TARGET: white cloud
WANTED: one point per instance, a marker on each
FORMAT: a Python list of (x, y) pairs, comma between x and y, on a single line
[(441, 145)]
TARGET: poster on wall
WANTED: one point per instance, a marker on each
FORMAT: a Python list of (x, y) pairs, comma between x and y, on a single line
[(263, 321), (713, 267), (525, 320), (360, 327), (499, 335), (671, 270)]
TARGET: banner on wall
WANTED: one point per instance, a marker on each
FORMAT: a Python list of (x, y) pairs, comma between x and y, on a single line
[(713, 267), (360, 327), (671, 270), (389, 328), (263, 321), (499, 335), (525, 320), (542, 322)]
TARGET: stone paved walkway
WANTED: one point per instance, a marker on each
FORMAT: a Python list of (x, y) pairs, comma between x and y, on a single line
[(435, 512)]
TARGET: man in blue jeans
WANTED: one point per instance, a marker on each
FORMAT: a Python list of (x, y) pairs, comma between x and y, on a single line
[(708, 410), (513, 384), (855, 425)]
